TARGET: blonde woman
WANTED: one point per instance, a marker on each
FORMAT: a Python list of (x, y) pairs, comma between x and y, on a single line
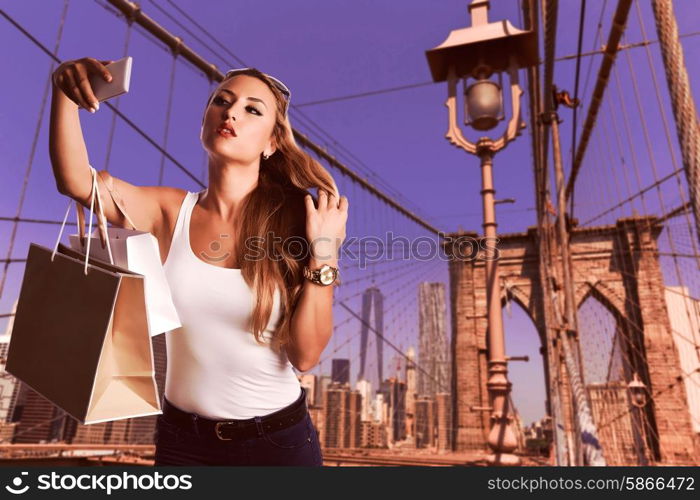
[(251, 261)]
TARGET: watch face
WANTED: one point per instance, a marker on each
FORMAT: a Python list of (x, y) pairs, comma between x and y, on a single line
[(327, 275)]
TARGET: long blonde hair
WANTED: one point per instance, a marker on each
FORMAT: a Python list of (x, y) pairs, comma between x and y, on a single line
[(276, 208)]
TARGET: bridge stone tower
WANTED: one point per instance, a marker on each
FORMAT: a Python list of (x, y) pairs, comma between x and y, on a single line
[(617, 264)]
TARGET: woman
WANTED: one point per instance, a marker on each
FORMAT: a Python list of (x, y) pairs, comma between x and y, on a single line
[(251, 262)]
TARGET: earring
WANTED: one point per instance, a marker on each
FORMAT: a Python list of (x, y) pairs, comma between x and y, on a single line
[(265, 157)]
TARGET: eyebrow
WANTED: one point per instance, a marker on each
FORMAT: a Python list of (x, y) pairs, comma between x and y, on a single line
[(249, 98)]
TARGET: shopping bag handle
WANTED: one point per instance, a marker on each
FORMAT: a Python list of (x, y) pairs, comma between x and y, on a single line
[(81, 226), (116, 198), (101, 222), (118, 202)]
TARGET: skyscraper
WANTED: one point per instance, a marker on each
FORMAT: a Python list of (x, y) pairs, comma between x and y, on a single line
[(337, 425), (322, 386), (9, 386), (425, 422), (340, 371), (443, 417), (433, 355), (342, 424), (395, 394), (370, 296), (364, 387), (410, 393)]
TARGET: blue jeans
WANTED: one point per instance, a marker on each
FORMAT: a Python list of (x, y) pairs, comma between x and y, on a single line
[(295, 445)]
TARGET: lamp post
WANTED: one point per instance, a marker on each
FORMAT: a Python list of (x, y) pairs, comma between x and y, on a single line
[(479, 52), (638, 397)]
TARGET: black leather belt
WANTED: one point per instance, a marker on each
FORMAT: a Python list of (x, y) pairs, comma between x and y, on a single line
[(236, 429)]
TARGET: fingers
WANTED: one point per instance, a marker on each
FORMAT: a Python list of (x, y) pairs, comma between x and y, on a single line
[(100, 67), (332, 201), (73, 77), (309, 201), (58, 75), (71, 87), (344, 203), (337, 202), (327, 201), (322, 199), (84, 84)]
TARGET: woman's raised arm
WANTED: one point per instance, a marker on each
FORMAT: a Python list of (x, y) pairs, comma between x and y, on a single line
[(69, 157)]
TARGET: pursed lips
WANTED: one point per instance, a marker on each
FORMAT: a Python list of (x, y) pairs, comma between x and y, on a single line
[(221, 128)]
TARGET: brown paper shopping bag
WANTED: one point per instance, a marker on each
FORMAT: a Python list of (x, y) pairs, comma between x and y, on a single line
[(80, 334), (137, 251)]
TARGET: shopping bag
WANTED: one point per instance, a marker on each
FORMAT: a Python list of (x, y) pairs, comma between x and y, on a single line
[(137, 251), (80, 334)]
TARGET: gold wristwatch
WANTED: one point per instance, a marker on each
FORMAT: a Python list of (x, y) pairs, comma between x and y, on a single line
[(324, 275)]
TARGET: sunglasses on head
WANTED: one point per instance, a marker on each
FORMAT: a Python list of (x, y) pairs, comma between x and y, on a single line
[(280, 86)]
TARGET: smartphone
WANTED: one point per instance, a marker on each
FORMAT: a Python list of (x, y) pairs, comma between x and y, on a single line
[(121, 75)]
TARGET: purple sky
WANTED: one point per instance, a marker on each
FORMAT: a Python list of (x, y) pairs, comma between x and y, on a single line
[(321, 50)]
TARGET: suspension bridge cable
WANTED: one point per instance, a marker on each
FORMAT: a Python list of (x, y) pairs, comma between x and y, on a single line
[(295, 109), (168, 110), (618, 27), (193, 35), (682, 101), (664, 119), (162, 150), (647, 140), (32, 153), (630, 362), (385, 311), (598, 35), (114, 109), (639, 361), (628, 135), (117, 102), (635, 195), (206, 32), (388, 90), (582, 18), (131, 10)]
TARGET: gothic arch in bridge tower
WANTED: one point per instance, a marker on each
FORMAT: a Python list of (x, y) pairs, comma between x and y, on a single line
[(618, 265), (523, 298)]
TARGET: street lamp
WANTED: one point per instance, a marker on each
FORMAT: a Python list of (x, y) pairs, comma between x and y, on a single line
[(478, 52), (638, 391), (638, 396), (483, 101)]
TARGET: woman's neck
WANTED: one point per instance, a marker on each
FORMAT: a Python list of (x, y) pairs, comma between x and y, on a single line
[(228, 186)]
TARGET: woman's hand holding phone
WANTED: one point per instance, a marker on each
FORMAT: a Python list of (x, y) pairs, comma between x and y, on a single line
[(72, 77)]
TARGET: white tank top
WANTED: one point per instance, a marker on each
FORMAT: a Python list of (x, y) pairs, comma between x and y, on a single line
[(215, 367)]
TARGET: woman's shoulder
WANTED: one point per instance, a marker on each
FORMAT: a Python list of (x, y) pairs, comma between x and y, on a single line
[(171, 198)]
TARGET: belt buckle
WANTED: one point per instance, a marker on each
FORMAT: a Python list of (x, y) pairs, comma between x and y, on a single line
[(216, 429)]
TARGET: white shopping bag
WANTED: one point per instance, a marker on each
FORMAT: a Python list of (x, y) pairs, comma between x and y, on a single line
[(80, 333), (136, 251)]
